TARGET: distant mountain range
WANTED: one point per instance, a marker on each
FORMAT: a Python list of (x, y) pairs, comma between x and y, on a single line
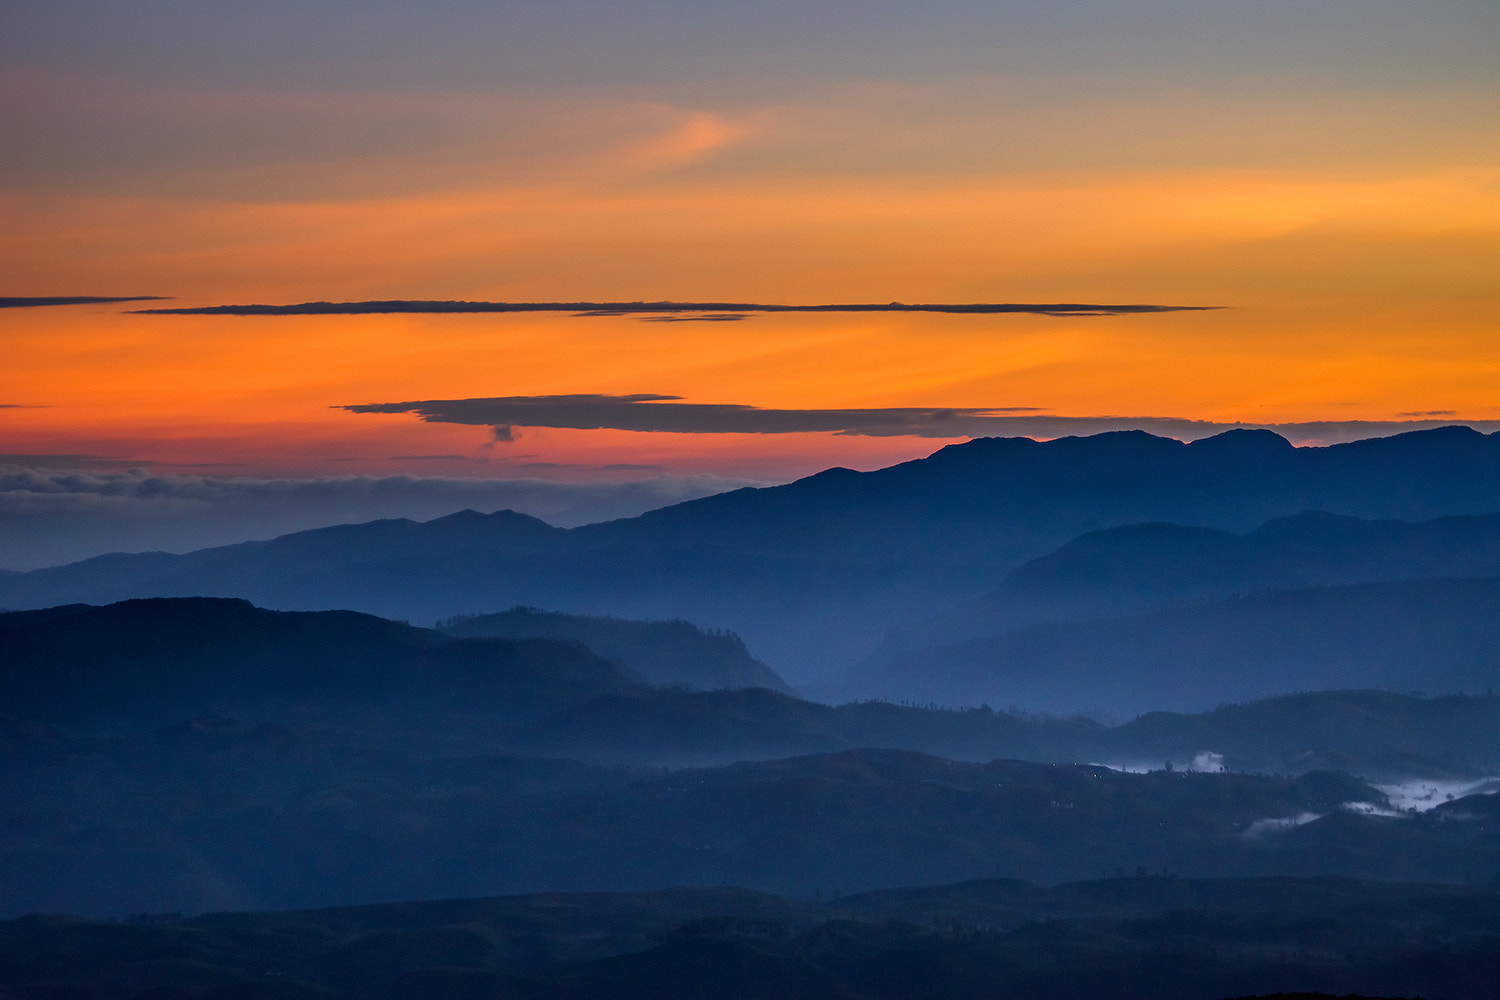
[(813, 573), (1169, 616), (1436, 636)]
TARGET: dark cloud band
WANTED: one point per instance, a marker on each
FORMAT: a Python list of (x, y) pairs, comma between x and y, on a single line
[(652, 412), (709, 310), (30, 301)]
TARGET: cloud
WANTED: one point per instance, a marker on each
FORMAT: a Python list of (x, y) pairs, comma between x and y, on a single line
[(26, 302), (718, 311), (690, 318), (66, 461), (50, 516), (662, 413), (654, 412), (1427, 413)]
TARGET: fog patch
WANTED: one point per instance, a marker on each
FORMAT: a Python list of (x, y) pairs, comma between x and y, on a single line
[(1278, 824), (1207, 761), (1372, 809), (1203, 762), (1422, 795)]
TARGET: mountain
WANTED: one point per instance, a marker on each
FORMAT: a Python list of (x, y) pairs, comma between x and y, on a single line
[(379, 761), (1437, 636), (814, 572), (130, 668), (1132, 568), (155, 661), (670, 653)]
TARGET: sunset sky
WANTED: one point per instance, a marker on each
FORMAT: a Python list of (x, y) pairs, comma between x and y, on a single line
[(1326, 171)]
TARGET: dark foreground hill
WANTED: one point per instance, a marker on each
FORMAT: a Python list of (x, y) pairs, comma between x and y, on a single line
[(148, 662), (1144, 938), (814, 572)]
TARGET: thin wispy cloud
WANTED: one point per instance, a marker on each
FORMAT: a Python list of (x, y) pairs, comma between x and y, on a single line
[(654, 412), (662, 413), (42, 460), (31, 301), (718, 311)]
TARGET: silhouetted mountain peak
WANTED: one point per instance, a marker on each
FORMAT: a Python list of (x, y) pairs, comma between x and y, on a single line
[(1439, 447), (470, 518), (467, 516), (1245, 444)]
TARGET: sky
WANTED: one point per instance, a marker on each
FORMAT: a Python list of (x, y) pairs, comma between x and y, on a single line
[(1316, 183)]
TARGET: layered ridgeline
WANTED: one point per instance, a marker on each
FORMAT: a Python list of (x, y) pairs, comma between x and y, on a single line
[(133, 667), (811, 574), (198, 754), (214, 816), (1168, 616)]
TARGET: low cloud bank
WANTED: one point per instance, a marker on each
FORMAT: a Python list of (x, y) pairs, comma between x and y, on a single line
[(50, 516), (32, 301)]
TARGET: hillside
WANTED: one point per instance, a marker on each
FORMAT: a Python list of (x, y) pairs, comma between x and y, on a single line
[(214, 815), (1437, 636), (669, 653), (1137, 567), (133, 667)]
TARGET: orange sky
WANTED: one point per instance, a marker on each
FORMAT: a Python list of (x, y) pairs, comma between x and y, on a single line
[(1350, 224)]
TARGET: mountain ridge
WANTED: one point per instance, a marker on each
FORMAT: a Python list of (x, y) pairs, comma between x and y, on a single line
[(808, 572)]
